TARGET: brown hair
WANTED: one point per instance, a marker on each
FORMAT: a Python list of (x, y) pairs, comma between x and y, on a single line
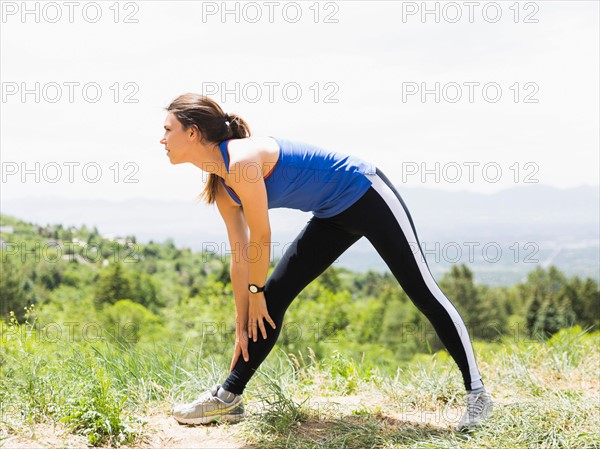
[(194, 109)]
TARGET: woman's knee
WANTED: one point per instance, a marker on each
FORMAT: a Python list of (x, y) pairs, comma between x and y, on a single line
[(279, 291)]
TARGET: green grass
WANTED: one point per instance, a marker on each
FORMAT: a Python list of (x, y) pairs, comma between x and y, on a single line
[(546, 393)]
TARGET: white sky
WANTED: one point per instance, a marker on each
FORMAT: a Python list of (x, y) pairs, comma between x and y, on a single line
[(369, 55)]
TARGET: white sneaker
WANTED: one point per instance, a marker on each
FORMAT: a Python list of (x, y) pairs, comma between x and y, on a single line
[(479, 407), (210, 408)]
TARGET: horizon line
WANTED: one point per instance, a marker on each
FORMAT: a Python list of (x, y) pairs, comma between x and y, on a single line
[(584, 185)]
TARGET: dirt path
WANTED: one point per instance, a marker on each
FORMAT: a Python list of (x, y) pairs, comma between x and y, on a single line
[(162, 431), (42, 436)]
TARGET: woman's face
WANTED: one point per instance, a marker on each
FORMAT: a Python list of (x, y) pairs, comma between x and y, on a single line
[(177, 142)]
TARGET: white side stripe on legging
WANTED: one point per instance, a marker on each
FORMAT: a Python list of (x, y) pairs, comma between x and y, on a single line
[(399, 213)]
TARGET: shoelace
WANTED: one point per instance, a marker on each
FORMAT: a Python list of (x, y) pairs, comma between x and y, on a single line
[(475, 404), (204, 397)]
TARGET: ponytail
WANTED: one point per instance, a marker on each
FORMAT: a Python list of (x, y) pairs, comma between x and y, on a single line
[(214, 125)]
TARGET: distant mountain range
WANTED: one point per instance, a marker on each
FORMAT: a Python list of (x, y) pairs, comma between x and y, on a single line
[(527, 223)]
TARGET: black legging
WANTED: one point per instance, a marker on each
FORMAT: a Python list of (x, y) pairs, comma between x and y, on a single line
[(381, 216)]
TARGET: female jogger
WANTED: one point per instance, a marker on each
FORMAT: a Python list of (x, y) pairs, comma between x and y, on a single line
[(349, 199)]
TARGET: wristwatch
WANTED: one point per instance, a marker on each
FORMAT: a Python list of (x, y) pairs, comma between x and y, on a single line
[(253, 288)]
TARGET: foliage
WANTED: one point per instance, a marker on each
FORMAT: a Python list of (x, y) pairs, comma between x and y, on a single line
[(482, 308), (113, 284), (126, 321), (556, 302), (97, 413), (13, 289)]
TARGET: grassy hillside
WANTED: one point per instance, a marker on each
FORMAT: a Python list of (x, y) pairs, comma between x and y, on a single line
[(101, 335), (96, 392)]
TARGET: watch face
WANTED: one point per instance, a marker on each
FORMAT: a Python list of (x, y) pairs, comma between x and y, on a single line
[(253, 289)]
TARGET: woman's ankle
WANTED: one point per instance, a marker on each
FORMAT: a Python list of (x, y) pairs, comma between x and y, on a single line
[(225, 395)]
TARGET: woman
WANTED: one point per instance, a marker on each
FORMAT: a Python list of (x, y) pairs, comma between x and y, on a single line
[(349, 199)]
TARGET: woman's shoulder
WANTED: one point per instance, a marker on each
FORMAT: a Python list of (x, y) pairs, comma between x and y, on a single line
[(260, 141), (253, 148)]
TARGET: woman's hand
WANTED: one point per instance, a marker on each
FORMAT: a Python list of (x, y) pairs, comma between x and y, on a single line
[(241, 346), (257, 312)]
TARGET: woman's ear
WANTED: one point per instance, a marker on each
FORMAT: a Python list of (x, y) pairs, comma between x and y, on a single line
[(194, 133)]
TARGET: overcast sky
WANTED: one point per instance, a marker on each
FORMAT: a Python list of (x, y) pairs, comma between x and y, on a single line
[(516, 99)]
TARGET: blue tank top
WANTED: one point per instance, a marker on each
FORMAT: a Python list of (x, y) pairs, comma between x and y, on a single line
[(311, 179)]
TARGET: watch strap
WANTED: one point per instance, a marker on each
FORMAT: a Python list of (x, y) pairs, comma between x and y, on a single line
[(256, 288)]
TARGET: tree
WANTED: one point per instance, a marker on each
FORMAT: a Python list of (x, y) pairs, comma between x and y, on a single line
[(330, 279), (12, 292), (145, 291), (151, 250), (50, 274), (151, 267), (550, 302), (459, 286), (127, 321), (371, 283), (492, 313), (584, 297), (532, 314), (552, 315), (93, 237), (223, 274), (405, 330), (481, 308), (113, 285)]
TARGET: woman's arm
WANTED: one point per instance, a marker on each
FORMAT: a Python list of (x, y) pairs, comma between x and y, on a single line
[(253, 195), (237, 231), (239, 282)]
